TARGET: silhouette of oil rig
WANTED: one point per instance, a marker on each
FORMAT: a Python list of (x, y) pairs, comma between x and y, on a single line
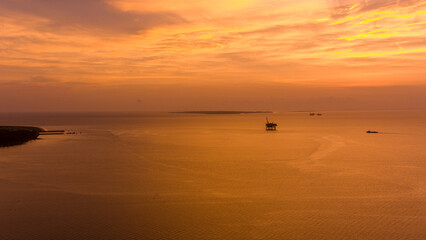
[(270, 126)]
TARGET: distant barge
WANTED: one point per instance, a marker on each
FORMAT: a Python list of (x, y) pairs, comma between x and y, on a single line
[(369, 131)]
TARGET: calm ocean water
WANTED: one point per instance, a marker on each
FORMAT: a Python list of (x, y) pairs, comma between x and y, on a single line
[(181, 176)]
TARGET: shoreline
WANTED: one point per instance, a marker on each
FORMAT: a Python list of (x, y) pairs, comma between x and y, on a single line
[(222, 112), (17, 135)]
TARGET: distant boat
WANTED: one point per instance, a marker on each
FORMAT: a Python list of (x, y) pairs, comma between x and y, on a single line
[(311, 114), (270, 126), (319, 114), (369, 131)]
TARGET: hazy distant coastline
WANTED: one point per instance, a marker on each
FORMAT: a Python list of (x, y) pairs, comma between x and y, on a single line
[(16, 135), (223, 112)]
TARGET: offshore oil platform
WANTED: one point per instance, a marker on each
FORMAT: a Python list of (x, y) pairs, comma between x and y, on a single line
[(270, 126)]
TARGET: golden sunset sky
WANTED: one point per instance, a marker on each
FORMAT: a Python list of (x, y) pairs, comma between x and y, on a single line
[(72, 55)]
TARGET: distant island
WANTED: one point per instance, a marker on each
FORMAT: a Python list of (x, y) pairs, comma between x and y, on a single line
[(16, 135), (223, 112)]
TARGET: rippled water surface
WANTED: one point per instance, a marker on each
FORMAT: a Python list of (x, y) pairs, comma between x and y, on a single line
[(184, 176)]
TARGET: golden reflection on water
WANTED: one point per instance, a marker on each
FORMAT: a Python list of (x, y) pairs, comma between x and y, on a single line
[(176, 176)]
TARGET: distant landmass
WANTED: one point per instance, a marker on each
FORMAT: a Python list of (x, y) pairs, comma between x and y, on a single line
[(15, 135), (223, 112)]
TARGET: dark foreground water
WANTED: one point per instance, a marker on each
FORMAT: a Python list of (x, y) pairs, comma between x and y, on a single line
[(177, 176)]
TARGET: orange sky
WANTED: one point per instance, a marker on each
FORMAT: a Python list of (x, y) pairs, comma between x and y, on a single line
[(178, 55)]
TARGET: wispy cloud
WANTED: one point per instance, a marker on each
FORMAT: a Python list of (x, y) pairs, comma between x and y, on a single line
[(90, 14), (114, 42)]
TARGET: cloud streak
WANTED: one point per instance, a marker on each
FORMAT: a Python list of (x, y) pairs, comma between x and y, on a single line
[(90, 14), (167, 43)]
